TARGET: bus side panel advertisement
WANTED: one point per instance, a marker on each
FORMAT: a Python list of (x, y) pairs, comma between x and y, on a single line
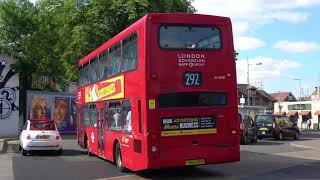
[(105, 90), (188, 126)]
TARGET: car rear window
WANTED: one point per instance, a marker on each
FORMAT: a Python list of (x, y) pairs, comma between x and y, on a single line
[(264, 119), (49, 126)]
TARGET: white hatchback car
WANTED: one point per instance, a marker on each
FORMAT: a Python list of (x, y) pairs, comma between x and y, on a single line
[(40, 135)]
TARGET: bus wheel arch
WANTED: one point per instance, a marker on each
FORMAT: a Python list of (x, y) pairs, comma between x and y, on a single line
[(117, 156), (85, 140)]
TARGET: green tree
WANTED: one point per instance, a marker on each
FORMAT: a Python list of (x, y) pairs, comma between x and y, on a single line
[(50, 37)]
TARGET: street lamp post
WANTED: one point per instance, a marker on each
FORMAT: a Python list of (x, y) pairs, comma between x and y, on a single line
[(248, 80), (297, 79), (299, 91)]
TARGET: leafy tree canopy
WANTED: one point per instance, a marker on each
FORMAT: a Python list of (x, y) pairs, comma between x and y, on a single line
[(49, 37)]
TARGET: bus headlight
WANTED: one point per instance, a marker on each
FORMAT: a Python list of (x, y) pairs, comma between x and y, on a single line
[(154, 149)]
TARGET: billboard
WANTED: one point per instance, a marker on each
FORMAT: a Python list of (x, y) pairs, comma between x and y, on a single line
[(60, 107)]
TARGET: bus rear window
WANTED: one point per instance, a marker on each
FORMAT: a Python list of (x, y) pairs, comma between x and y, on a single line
[(49, 126), (189, 37), (192, 99)]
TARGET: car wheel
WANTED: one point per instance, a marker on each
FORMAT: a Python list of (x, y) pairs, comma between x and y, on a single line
[(297, 135), (88, 152), (118, 158), (260, 137), (24, 152), (59, 152), (280, 136), (244, 139), (255, 138)]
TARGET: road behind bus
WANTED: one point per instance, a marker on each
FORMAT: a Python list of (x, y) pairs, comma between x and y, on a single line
[(265, 160)]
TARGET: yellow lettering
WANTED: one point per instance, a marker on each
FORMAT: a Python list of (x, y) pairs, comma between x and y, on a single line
[(107, 90)]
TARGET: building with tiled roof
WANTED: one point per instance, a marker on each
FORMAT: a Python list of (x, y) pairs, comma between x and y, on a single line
[(260, 102), (284, 96)]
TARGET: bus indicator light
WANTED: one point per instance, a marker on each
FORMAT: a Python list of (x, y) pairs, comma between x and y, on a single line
[(154, 76)]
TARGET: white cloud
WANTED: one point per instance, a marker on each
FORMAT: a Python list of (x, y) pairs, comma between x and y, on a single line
[(270, 69), (292, 4), (248, 43), (254, 13), (298, 46), (292, 17), (240, 27)]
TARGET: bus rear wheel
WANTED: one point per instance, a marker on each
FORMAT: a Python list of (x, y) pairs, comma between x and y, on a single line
[(118, 158), (88, 149)]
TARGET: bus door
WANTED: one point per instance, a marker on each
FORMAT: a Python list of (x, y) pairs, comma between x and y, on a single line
[(79, 120), (131, 139), (101, 128), (137, 128)]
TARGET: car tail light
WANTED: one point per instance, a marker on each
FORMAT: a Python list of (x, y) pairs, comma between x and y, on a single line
[(28, 137), (57, 137), (241, 126), (273, 125)]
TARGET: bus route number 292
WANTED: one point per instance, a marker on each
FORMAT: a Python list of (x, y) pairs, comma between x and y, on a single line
[(192, 78)]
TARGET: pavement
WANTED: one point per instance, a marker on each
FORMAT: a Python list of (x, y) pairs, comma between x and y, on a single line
[(1, 145), (5, 161)]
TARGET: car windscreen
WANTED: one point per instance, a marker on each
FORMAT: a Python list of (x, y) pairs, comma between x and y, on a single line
[(189, 37), (47, 126), (264, 119)]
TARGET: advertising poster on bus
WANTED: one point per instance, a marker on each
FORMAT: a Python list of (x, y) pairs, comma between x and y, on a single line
[(40, 107)]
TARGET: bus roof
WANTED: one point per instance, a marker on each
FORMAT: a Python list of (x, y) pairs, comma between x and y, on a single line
[(167, 17)]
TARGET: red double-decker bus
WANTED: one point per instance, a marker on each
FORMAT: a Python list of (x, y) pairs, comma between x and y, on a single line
[(162, 93)]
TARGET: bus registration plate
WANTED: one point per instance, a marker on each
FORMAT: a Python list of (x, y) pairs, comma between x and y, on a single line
[(192, 162)]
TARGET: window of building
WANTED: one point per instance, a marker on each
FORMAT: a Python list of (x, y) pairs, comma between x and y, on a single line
[(115, 116), (104, 63), (115, 59), (130, 53)]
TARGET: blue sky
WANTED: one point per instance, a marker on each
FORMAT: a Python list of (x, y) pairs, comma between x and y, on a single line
[(283, 35)]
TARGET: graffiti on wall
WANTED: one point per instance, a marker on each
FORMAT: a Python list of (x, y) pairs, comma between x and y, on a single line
[(8, 95)]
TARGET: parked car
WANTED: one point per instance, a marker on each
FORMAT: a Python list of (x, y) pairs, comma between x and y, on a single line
[(40, 135), (277, 126), (248, 129)]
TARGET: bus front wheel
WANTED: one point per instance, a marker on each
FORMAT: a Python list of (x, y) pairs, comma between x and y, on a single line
[(118, 158)]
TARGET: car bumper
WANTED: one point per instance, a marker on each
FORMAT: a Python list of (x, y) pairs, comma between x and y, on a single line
[(264, 134), (42, 145)]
